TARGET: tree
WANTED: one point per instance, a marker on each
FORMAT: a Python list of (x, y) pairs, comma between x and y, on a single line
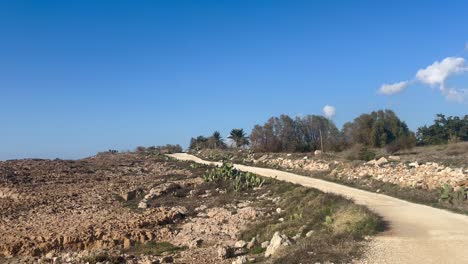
[(198, 143), (239, 137), (216, 141), (443, 130), (295, 135), (377, 129)]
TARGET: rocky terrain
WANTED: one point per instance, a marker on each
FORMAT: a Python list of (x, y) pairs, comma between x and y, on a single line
[(420, 175), (429, 175), (108, 202), (146, 208), (426, 171)]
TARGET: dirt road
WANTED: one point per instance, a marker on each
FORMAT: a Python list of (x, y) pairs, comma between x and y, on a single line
[(418, 233)]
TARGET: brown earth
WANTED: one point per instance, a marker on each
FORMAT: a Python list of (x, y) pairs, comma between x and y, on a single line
[(51, 209)]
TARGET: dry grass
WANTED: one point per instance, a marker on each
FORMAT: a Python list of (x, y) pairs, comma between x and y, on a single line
[(338, 224)]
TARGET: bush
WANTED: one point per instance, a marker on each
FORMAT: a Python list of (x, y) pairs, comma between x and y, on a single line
[(167, 149), (405, 142), (366, 154), (239, 180), (360, 152)]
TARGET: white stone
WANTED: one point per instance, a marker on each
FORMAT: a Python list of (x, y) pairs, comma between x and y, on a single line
[(240, 244), (277, 241), (240, 260), (381, 161), (265, 244), (310, 233)]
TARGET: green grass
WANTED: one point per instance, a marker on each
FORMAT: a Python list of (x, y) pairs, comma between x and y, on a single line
[(154, 248)]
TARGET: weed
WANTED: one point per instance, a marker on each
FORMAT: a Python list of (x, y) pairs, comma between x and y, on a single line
[(154, 248)]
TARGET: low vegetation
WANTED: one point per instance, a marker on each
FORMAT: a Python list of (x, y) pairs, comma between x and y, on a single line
[(325, 224), (154, 248), (238, 180)]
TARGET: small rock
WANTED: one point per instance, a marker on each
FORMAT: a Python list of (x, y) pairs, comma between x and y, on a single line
[(225, 252), (240, 260), (142, 205), (127, 196), (167, 259), (252, 243), (278, 210), (195, 243), (50, 255), (201, 208), (240, 244), (310, 233), (297, 236), (265, 244), (381, 161), (318, 152), (277, 241), (127, 243), (394, 157)]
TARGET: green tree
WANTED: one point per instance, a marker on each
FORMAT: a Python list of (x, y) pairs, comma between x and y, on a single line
[(377, 129), (443, 130), (216, 141), (239, 137)]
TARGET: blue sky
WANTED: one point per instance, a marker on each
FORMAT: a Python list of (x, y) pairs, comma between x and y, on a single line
[(77, 77)]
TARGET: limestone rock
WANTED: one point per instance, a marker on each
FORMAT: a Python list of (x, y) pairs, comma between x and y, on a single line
[(277, 241)]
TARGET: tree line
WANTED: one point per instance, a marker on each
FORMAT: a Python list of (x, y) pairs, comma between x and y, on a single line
[(379, 129)]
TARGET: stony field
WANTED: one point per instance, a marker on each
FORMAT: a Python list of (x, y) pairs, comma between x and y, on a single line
[(146, 208)]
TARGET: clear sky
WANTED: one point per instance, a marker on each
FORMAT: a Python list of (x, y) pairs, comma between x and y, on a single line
[(77, 77)]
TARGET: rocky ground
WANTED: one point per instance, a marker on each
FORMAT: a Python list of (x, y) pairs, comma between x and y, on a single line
[(146, 208), (52, 209)]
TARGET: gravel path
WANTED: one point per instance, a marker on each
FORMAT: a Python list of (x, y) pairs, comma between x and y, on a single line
[(418, 233)]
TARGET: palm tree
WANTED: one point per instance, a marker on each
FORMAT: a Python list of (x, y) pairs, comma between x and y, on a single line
[(239, 137), (216, 141)]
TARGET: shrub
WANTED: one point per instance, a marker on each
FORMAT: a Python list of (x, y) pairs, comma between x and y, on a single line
[(404, 142), (238, 180)]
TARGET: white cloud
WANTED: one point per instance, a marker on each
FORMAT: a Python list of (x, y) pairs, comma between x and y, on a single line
[(438, 72), (454, 95), (329, 111), (435, 74), (466, 46), (393, 88)]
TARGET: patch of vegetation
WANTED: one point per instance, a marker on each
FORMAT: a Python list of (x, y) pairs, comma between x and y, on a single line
[(154, 248), (449, 195), (444, 130), (131, 204), (338, 224), (320, 248), (238, 180)]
